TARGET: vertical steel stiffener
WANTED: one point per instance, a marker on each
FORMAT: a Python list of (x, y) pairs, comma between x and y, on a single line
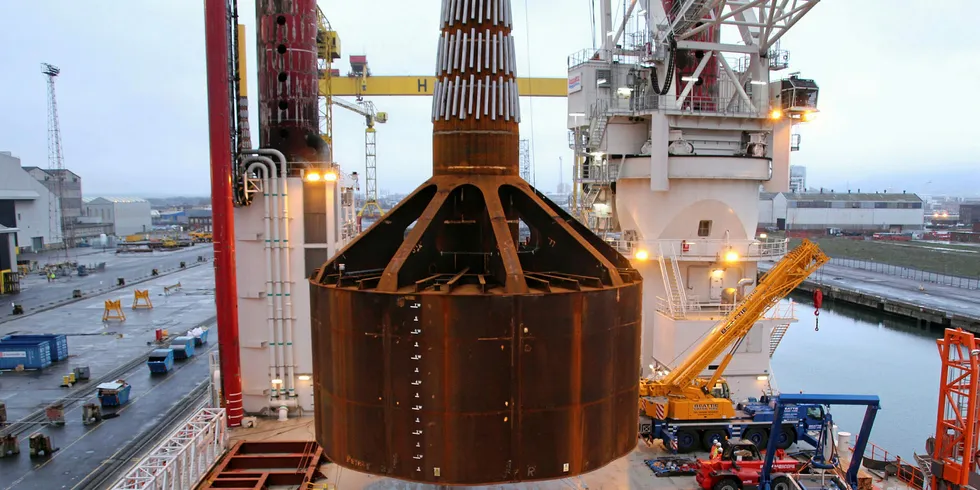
[(288, 82), (445, 349)]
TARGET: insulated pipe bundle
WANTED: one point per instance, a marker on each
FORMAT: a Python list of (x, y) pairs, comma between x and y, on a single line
[(278, 272)]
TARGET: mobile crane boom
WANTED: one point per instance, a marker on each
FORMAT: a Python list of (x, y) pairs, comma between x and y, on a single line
[(688, 395)]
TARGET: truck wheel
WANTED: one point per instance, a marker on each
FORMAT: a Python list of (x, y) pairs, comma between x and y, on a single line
[(781, 483), (712, 435), (759, 437), (687, 441), (726, 484), (787, 436)]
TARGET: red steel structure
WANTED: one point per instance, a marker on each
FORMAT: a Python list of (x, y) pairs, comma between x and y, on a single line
[(478, 333), (217, 45), (257, 465), (955, 444), (288, 81)]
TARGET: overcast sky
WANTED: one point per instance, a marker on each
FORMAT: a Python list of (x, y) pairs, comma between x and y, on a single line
[(898, 85)]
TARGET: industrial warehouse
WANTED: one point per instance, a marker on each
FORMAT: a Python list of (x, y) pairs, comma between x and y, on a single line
[(846, 211), (304, 328)]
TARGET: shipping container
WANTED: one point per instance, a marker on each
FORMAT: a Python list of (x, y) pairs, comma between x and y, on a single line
[(31, 355), (59, 344)]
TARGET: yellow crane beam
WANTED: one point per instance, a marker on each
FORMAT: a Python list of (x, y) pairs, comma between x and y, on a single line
[(424, 85)]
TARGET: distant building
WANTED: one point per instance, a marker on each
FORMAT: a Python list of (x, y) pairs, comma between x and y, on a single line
[(797, 178), (8, 256), (27, 206), (970, 216), (125, 215), (199, 220), (859, 212)]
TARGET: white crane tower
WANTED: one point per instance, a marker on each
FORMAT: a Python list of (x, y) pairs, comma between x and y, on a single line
[(676, 124), (371, 115)]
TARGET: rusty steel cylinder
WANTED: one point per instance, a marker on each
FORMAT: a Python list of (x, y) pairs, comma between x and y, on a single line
[(288, 78), (478, 334)]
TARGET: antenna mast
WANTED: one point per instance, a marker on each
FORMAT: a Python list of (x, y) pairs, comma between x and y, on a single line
[(56, 163)]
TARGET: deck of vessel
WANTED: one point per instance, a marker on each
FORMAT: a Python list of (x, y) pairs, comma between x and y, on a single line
[(629, 472)]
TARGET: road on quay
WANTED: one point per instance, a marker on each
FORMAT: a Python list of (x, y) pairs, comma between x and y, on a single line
[(86, 451), (37, 293)]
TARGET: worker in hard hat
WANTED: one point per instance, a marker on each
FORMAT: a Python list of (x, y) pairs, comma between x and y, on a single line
[(716, 450)]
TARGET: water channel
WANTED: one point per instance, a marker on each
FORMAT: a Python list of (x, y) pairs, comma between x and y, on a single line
[(860, 351)]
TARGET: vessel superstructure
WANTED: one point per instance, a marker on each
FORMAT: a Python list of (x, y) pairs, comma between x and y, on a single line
[(676, 128)]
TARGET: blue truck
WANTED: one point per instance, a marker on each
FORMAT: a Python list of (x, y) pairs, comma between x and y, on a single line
[(753, 421), (161, 361)]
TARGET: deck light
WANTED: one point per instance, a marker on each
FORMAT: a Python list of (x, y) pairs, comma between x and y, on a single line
[(642, 255), (330, 176), (313, 177), (775, 114)]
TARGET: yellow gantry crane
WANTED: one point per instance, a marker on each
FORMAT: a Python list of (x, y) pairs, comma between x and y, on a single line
[(688, 396)]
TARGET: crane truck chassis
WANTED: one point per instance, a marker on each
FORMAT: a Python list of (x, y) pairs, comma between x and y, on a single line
[(752, 422)]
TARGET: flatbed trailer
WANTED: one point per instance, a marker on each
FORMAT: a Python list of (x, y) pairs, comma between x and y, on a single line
[(754, 424)]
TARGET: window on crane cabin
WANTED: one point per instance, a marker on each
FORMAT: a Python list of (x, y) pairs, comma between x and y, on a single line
[(704, 227)]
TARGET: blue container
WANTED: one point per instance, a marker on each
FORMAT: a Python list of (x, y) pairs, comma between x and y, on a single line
[(59, 344), (188, 347), (203, 339), (31, 355), (161, 361), (114, 393)]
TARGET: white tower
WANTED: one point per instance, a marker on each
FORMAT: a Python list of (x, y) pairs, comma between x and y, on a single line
[(674, 132)]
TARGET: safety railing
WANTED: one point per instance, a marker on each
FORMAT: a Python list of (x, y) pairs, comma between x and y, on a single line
[(782, 311), (695, 309), (712, 249), (905, 470), (909, 273), (705, 249), (184, 459)]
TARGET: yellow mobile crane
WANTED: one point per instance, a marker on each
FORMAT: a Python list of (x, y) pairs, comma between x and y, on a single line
[(682, 395)]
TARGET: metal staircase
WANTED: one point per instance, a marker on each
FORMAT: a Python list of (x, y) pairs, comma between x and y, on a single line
[(776, 337), (925, 464), (676, 296), (599, 120)]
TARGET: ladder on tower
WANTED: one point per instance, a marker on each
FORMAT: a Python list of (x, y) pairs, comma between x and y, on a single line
[(776, 337), (676, 296)]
